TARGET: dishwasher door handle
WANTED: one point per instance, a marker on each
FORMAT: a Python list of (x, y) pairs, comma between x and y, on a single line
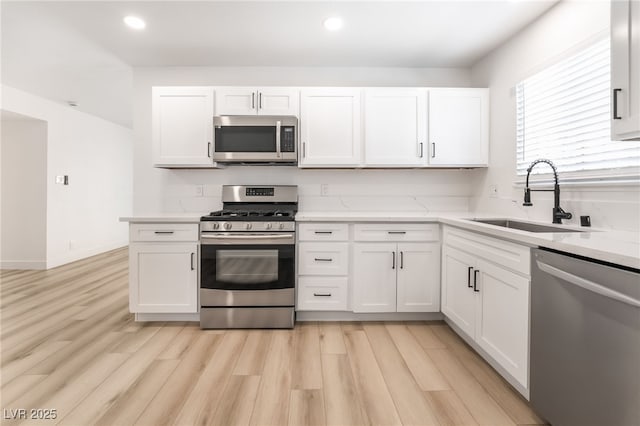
[(588, 285)]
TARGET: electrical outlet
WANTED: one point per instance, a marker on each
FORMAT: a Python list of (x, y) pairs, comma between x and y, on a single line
[(493, 191), (199, 190), (60, 179), (324, 189)]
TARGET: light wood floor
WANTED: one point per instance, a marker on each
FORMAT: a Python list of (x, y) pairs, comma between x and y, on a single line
[(70, 344)]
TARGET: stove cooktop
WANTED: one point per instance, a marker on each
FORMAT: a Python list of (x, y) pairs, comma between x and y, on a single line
[(249, 215)]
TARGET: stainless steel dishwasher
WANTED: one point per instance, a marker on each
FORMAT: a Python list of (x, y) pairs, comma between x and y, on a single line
[(585, 341)]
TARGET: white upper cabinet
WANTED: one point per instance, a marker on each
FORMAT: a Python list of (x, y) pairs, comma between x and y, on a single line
[(330, 124), (625, 70), (395, 127), (257, 101), (458, 127), (182, 126)]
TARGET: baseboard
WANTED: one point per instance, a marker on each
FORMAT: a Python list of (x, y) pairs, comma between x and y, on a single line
[(144, 316), (72, 256), (383, 316), (23, 264)]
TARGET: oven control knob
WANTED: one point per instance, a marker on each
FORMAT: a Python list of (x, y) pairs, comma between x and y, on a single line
[(281, 226), (248, 226), (216, 225), (268, 225), (227, 226)]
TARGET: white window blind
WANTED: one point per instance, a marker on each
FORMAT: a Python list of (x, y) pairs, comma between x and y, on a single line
[(563, 115)]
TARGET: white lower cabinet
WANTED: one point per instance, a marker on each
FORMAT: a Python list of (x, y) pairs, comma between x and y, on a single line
[(163, 270), (322, 293), (323, 267), (487, 301), (374, 277), (396, 276)]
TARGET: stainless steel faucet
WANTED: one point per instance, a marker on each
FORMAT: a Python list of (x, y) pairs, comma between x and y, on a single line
[(558, 213)]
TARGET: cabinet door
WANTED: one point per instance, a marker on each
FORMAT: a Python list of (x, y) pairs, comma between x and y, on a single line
[(163, 277), (182, 126), (278, 101), (395, 127), (502, 327), (625, 70), (374, 277), (458, 297), (458, 127), (236, 101), (418, 277), (330, 127)]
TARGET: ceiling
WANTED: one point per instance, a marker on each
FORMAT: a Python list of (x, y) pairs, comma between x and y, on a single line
[(62, 50)]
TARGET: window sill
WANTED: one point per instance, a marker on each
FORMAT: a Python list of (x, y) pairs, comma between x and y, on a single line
[(626, 181)]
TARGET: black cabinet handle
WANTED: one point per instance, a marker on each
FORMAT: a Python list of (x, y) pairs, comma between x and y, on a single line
[(323, 232), (401, 260), (433, 150), (253, 100), (260, 100), (469, 276), (393, 260), (163, 232), (615, 104), (320, 259), (322, 294), (421, 150), (209, 149), (475, 281), (193, 255), (396, 232)]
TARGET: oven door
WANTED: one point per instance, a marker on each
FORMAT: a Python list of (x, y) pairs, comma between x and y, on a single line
[(247, 262), (255, 139)]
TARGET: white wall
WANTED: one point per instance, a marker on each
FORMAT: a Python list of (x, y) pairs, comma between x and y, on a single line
[(24, 193), (162, 190), (563, 29), (82, 218)]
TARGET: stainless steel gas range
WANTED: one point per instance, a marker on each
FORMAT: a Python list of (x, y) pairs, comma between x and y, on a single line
[(247, 266)]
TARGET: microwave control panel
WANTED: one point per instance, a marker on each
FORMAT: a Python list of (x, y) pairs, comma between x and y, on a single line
[(287, 139)]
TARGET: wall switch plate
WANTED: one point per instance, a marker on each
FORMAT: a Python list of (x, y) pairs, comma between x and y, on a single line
[(324, 189), (60, 179), (493, 191), (199, 190)]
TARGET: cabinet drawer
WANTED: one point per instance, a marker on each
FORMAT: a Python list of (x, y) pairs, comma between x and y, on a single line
[(163, 232), (323, 258), (397, 232), (323, 232), (504, 253), (322, 294)]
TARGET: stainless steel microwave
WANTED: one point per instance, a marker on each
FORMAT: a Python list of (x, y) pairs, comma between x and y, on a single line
[(255, 139)]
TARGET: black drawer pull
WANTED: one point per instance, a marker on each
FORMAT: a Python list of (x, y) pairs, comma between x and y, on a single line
[(324, 232), (396, 232), (163, 232), (469, 276), (322, 294), (475, 281), (322, 259)]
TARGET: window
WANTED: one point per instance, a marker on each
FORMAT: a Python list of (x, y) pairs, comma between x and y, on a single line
[(563, 115)]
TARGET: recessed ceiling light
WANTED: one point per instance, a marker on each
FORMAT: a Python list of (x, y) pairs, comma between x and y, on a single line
[(333, 24), (134, 22)]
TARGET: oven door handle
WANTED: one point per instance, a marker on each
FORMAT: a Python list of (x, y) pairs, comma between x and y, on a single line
[(247, 239)]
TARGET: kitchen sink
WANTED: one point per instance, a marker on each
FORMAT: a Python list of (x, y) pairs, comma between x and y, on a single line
[(523, 226)]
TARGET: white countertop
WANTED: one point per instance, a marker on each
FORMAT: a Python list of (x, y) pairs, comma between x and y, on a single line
[(619, 247), (164, 218)]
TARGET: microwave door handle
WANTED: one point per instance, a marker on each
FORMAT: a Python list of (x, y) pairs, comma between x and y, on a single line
[(278, 127)]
